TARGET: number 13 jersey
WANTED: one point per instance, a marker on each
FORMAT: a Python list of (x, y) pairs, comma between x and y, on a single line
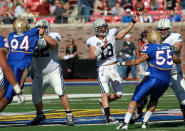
[(108, 56), (45, 60)]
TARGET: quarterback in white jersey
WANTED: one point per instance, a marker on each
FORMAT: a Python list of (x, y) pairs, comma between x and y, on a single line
[(103, 47), (48, 72)]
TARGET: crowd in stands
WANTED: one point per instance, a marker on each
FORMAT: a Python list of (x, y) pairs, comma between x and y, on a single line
[(59, 11)]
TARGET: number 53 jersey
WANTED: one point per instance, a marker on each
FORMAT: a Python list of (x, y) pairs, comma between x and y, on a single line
[(108, 56), (45, 59)]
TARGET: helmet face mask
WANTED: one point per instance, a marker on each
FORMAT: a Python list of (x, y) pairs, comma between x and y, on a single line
[(20, 26), (164, 26), (42, 23), (100, 27), (154, 37)]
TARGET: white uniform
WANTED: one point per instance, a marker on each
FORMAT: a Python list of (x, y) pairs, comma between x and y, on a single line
[(177, 80), (1, 79), (107, 71), (47, 70)]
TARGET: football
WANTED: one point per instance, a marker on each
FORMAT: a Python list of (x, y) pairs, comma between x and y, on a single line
[(139, 6)]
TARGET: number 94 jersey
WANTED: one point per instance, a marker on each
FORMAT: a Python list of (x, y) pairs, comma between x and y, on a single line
[(108, 56), (160, 60), (45, 59)]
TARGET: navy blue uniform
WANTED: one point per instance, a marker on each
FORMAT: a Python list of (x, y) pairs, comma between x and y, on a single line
[(21, 47), (159, 65)]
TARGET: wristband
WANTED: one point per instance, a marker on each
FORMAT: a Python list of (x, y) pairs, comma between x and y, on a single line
[(133, 21), (17, 88)]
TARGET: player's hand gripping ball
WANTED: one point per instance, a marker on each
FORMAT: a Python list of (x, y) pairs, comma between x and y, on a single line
[(139, 6)]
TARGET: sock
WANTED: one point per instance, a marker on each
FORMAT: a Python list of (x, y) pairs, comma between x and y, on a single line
[(109, 98), (139, 110), (147, 116), (39, 114), (68, 112), (128, 116), (107, 111)]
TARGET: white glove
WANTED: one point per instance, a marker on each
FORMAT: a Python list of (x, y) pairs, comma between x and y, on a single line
[(21, 99), (121, 63), (17, 88)]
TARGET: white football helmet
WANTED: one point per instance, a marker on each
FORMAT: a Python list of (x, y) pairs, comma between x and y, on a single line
[(43, 23), (100, 23), (164, 26)]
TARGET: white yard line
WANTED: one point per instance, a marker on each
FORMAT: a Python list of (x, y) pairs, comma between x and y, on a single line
[(54, 96)]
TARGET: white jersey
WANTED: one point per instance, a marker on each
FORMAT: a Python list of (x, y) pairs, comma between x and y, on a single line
[(1, 79), (45, 60), (108, 56), (172, 39)]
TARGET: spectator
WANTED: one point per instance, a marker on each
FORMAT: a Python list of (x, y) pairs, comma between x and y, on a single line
[(154, 5), (61, 12), (174, 17), (104, 8), (129, 50), (182, 4), (117, 10), (86, 8), (145, 17), (19, 9), (111, 3), (43, 9), (170, 4), (28, 15), (126, 4), (6, 13), (71, 56), (141, 42), (128, 17)]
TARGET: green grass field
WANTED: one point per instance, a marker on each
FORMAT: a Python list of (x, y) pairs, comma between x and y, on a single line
[(168, 101)]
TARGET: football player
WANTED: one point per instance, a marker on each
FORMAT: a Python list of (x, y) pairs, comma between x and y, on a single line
[(164, 26), (159, 57), (48, 72), (21, 44), (6, 73), (103, 47)]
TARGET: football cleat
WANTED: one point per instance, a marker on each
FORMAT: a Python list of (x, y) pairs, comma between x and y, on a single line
[(144, 125), (135, 117), (122, 126), (102, 109), (21, 99), (111, 120), (70, 120), (38, 119)]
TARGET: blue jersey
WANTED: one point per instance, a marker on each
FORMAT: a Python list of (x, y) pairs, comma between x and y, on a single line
[(22, 46), (160, 60), (2, 42)]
